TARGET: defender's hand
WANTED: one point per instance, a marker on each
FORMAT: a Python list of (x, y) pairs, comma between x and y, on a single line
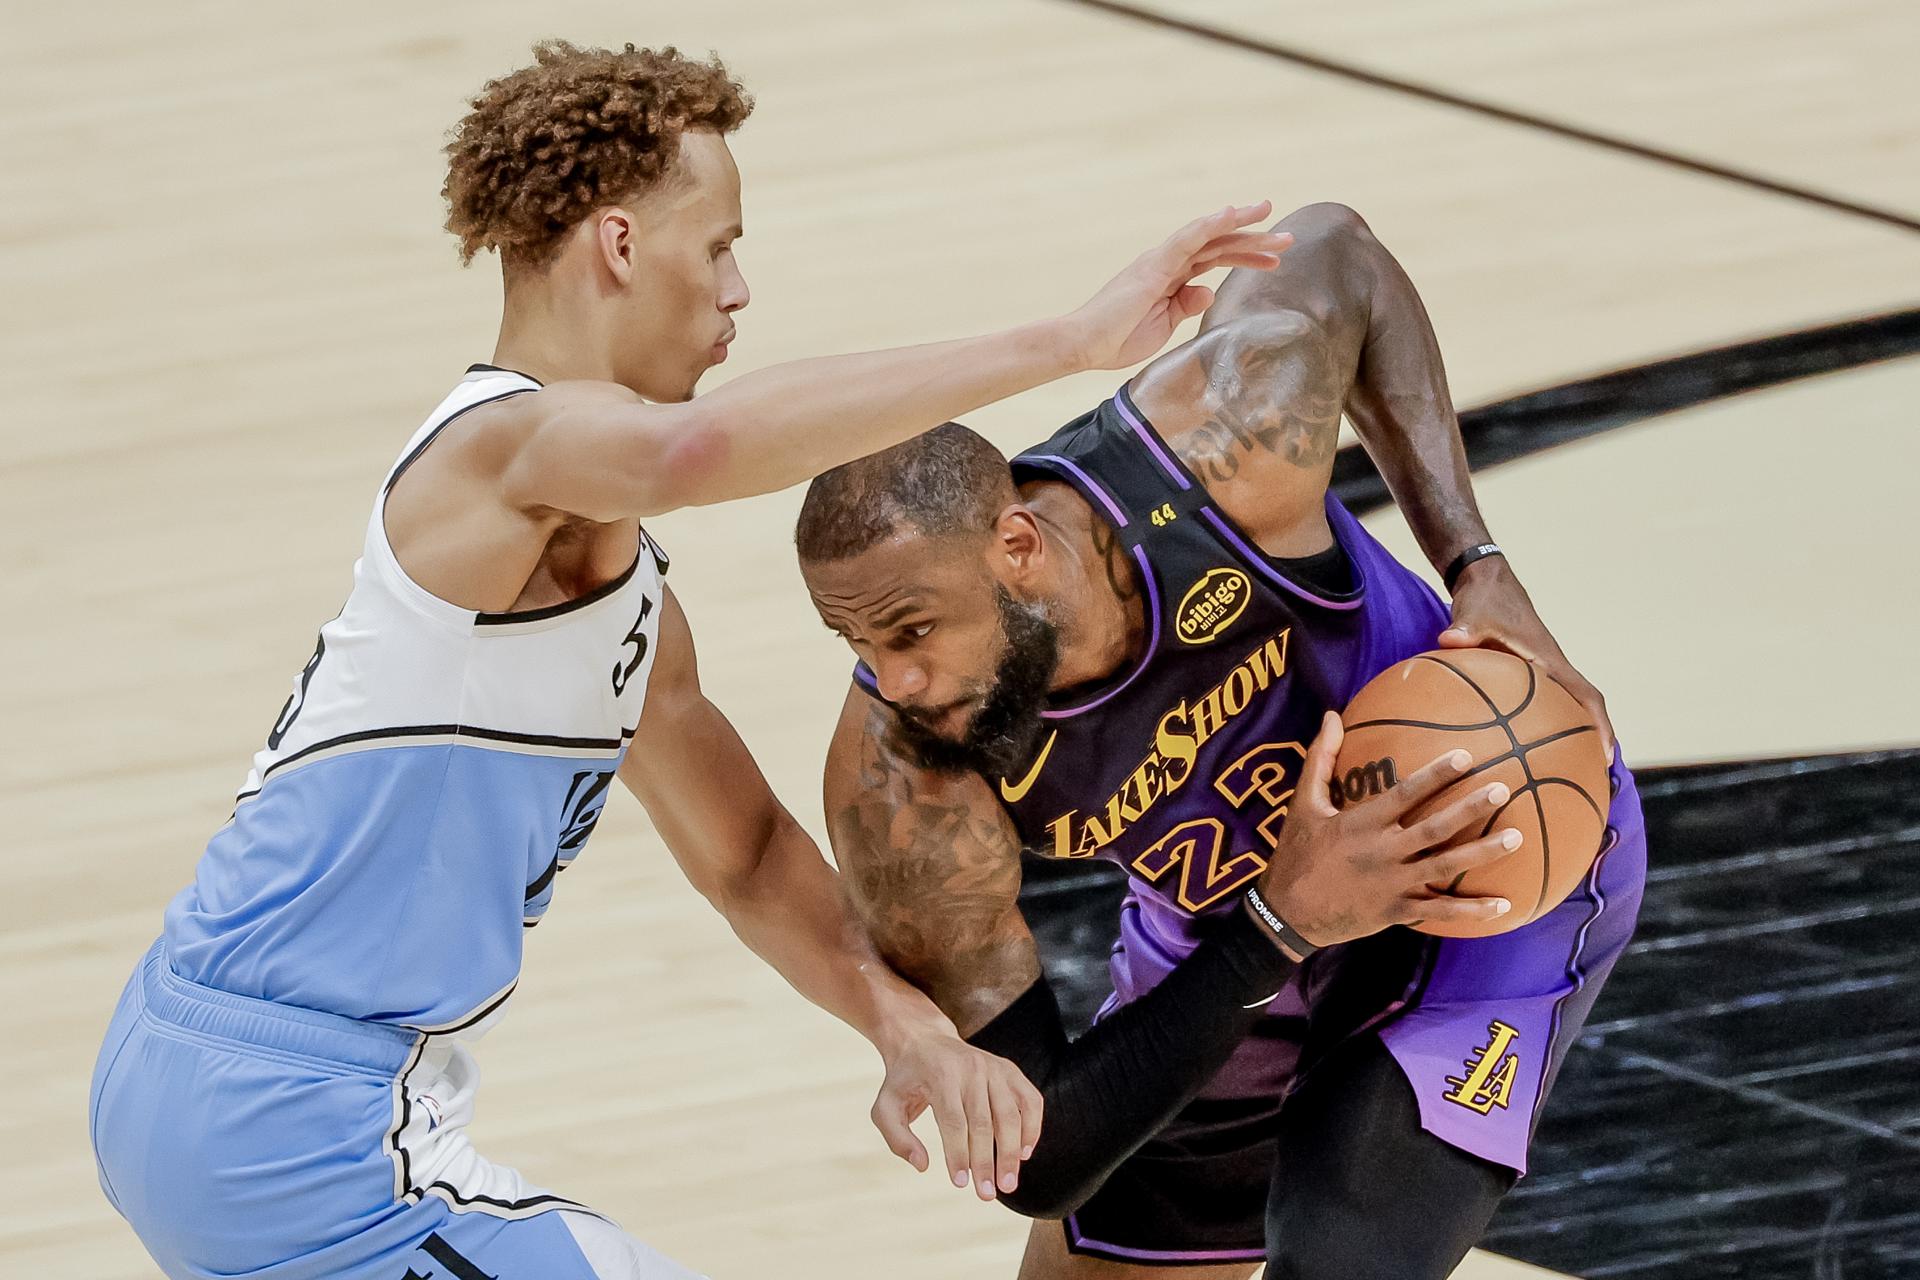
[(1132, 318), (1491, 609), (987, 1110), (1339, 875)]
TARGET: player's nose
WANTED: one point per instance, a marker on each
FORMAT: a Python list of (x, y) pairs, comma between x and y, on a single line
[(900, 681), (734, 294)]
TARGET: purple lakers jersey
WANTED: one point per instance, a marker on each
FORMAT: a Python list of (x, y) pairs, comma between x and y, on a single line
[(1180, 766)]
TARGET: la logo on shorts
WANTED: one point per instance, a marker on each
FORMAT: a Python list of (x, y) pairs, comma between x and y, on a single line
[(1490, 1071)]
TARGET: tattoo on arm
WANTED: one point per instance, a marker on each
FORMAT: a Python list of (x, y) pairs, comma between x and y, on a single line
[(1277, 389), (1106, 545), (934, 869)]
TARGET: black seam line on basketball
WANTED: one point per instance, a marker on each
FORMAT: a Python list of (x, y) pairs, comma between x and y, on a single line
[(1580, 791), (1533, 788), (1502, 758), (565, 607), (528, 1203), (455, 416), (542, 880), (1507, 115), (1520, 756), (1419, 724), (1526, 699), (1486, 830), (440, 730), (1546, 849), (1522, 425)]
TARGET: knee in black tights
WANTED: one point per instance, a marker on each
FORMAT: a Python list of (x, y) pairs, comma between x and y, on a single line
[(1360, 1191)]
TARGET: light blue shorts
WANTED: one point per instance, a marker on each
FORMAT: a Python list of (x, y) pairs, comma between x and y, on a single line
[(243, 1138)]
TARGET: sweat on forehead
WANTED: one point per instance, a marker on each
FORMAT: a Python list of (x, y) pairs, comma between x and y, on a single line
[(947, 481)]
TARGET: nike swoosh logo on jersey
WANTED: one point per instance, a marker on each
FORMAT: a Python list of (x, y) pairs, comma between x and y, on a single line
[(1017, 792)]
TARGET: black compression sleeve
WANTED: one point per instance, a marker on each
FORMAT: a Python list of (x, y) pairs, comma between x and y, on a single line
[(1113, 1088)]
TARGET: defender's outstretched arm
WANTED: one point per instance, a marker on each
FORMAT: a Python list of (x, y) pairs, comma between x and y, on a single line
[(596, 451)]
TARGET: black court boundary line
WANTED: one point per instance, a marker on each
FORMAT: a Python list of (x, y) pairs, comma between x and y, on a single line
[(1507, 115), (1529, 423)]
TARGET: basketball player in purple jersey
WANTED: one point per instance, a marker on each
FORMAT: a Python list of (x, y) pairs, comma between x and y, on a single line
[(285, 1087), (1130, 645)]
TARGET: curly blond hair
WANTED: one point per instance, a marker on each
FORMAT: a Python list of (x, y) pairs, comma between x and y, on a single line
[(579, 128)]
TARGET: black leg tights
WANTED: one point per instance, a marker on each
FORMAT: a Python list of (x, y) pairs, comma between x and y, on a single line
[(1360, 1191)]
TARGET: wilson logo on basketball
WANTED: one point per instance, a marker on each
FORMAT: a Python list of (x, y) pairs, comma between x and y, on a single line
[(1211, 605), (1363, 781)]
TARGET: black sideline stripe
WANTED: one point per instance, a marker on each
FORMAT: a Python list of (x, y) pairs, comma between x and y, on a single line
[(1506, 115), (1537, 420)]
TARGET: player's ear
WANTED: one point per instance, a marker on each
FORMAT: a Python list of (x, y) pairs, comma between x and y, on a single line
[(613, 233), (1017, 543)]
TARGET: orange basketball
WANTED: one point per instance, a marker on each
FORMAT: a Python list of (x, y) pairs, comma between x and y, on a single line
[(1521, 728)]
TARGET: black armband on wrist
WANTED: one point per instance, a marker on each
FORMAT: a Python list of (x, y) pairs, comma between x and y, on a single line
[(1296, 947), (1467, 557)]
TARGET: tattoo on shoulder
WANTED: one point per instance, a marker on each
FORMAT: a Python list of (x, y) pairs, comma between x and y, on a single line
[(1278, 398)]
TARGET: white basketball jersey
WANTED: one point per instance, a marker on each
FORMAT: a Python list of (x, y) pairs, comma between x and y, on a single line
[(431, 773)]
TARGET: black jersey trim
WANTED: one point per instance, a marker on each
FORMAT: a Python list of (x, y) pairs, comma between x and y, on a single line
[(545, 878), (406, 1114), (441, 730), (1576, 972), (1081, 479), (1103, 693), (455, 1194), (413, 455), (1227, 530), (481, 367), (542, 614), (479, 1016)]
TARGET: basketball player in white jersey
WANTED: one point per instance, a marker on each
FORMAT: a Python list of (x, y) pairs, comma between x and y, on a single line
[(283, 1091)]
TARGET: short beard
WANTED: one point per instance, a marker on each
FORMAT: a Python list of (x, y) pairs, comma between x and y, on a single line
[(1002, 733)]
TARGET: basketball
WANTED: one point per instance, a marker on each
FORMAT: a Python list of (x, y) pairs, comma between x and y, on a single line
[(1521, 728)]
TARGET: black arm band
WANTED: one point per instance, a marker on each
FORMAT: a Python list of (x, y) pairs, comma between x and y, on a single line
[(1289, 937), (1110, 1090), (1467, 557)]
